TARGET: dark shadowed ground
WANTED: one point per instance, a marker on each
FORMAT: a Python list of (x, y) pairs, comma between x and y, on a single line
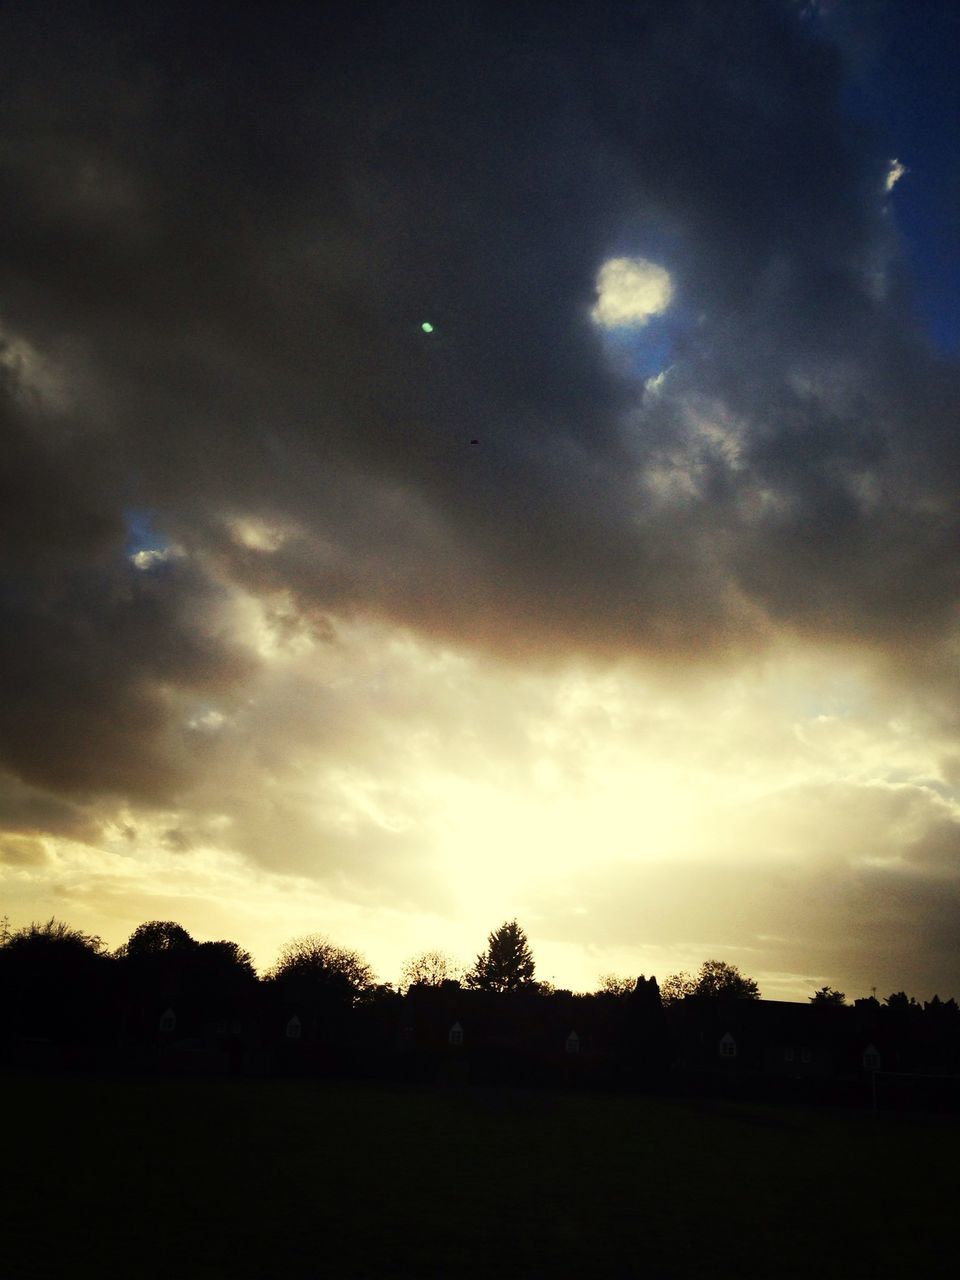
[(181, 1179)]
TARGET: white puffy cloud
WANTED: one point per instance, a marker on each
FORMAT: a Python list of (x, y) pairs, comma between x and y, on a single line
[(895, 172), (630, 291), (151, 557)]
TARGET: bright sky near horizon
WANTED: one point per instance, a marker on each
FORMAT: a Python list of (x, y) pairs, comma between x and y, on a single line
[(464, 463)]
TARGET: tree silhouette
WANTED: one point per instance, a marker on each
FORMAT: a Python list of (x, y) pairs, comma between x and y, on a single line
[(942, 1010), (646, 994), (52, 937), (507, 964), (157, 971), (55, 981), (613, 984), (157, 937), (220, 975), (312, 966), (677, 986), (228, 959), (900, 1002), (429, 969), (716, 980), (828, 995)]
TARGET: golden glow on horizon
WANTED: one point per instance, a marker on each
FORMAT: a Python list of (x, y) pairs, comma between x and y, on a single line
[(396, 795)]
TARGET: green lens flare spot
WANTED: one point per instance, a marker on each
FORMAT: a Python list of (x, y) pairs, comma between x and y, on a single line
[(427, 327)]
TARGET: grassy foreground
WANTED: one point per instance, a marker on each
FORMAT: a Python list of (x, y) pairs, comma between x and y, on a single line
[(295, 1179)]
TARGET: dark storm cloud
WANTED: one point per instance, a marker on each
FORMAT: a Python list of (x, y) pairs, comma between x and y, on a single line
[(95, 654), (95, 667), (27, 811), (234, 224)]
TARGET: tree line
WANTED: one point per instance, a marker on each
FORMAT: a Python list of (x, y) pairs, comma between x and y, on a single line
[(55, 962), (164, 1001), (506, 963)]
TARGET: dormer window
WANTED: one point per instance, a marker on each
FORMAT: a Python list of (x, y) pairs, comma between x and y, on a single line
[(728, 1046)]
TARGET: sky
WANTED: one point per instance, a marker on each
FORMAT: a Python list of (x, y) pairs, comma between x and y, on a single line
[(463, 462)]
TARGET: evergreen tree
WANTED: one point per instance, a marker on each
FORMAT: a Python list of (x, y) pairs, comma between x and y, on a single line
[(507, 964)]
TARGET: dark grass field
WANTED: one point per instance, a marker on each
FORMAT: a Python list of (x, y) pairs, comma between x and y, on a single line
[(296, 1179)]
